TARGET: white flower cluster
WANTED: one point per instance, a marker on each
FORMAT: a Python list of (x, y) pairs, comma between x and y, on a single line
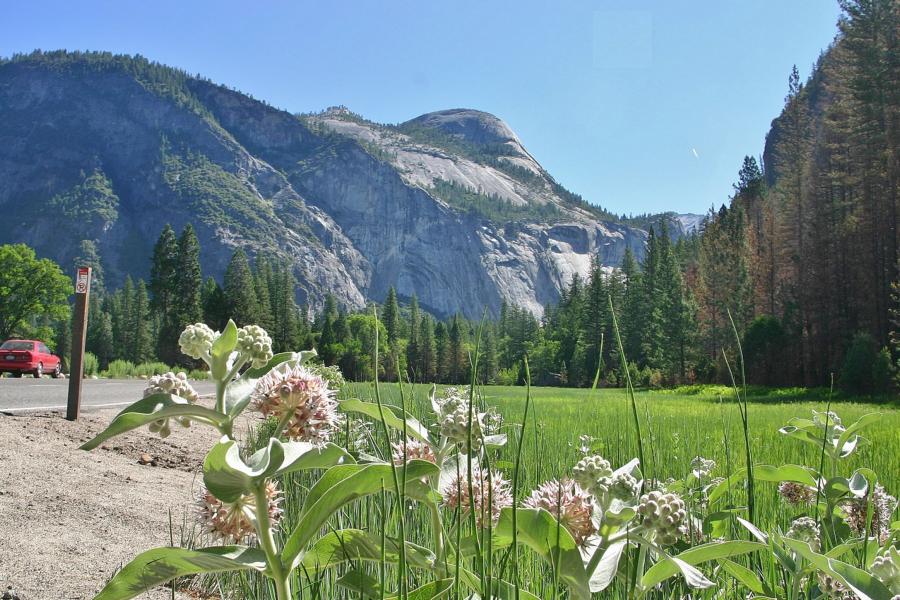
[(663, 514), (177, 385), (196, 340), (887, 569), (594, 474), (806, 530), (453, 412), (702, 467), (255, 345)]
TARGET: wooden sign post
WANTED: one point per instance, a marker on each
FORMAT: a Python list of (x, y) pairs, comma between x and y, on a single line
[(79, 336)]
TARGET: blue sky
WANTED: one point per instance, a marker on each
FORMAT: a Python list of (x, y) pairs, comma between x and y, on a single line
[(640, 106)]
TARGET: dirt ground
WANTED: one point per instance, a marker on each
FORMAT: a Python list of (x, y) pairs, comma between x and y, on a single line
[(69, 519)]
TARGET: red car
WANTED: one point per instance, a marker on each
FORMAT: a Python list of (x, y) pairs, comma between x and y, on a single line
[(28, 356)]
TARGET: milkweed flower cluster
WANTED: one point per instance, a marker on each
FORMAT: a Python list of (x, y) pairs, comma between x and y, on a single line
[(796, 494), (196, 340), (414, 450), (303, 398), (177, 385), (233, 522), (702, 467), (568, 503), (664, 515), (255, 345), (887, 570), (806, 530), (453, 412), (594, 474), (833, 589), (859, 510), (491, 493)]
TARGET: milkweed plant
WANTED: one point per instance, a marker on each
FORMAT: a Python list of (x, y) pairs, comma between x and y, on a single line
[(599, 524)]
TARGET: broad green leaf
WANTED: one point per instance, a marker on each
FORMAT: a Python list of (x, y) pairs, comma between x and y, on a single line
[(540, 531), (848, 440), (836, 487), (238, 395), (391, 418), (863, 584), (360, 582), (347, 545), (229, 477), (340, 485), (153, 408), (859, 485), (296, 358), (430, 591), (722, 488), (221, 351), (608, 566), (160, 565), (748, 578), (495, 441), (696, 556), (502, 590), (795, 473)]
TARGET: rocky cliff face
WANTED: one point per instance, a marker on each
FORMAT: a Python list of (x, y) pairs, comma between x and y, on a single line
[(449, 206)]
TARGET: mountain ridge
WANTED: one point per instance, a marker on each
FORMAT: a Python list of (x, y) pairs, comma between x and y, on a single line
[(110, 147)]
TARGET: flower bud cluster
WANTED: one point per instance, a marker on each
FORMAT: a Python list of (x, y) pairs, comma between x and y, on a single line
[(805, 529), (663, 514), (595, 475), (702, 467), (176, 385), (624, 487), (886, 569), (196, 340), (230, 521), (455, 427), (255, 345)]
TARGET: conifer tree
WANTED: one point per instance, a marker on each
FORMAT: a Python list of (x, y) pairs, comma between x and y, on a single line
[(413, 346), (240, 294), (428, 352), (139, 317), (215, 308), (163, 290), (392, 318)]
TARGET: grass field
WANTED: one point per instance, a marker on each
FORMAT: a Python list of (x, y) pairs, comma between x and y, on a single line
[(676, 426)]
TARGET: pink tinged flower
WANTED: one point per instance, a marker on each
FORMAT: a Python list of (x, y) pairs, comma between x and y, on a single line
[(568, 503), (796, 493), (878, 507), (415, 450), (490, 494), (233, 522), (304, 398)]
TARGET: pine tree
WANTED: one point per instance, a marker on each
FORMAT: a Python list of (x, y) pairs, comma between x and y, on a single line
[(413, 346), (457, 359), (139, 317), (391, 318), (188, 280), (262, 282), (429, 358), (441, 357), (215, 308), (163, 290), (240, 294)]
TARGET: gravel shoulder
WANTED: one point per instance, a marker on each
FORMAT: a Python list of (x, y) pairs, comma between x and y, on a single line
[(69, 519)]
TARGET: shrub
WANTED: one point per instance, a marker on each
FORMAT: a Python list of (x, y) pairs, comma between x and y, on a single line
[(508, 376), (119, 369), (882, 372), (859, 363), (148, 369), (198, 375), (91, 364)]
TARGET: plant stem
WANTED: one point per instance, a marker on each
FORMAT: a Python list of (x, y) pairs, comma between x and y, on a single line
[(437, 527), (220, 396), (280, 575)]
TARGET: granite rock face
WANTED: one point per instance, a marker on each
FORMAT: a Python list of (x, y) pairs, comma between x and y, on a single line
[(111, 150)]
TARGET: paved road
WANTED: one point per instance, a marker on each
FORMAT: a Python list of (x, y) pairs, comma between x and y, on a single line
[(28, 394)]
